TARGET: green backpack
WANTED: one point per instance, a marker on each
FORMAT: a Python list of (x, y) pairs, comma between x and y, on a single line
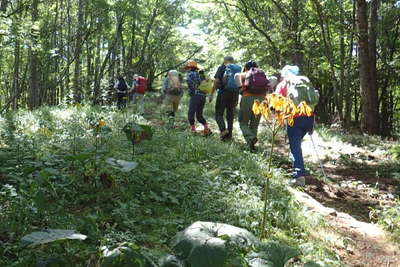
[(299, 89)]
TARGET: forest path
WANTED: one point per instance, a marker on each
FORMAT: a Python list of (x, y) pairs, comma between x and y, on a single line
[(357, 181)]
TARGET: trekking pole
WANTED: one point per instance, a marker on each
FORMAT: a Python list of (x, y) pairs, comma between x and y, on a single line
[(319, 160)]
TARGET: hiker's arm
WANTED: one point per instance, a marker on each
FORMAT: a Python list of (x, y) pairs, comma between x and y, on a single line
[(216, 84), (190, 82), (164, 86), (218, 79)]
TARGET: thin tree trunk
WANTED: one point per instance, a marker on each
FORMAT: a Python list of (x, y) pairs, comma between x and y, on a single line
[(106, 59), (77, 54), (17, 48), (348, 95), (34, 60)]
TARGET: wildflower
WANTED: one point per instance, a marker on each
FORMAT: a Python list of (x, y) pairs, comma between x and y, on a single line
[(101, 123), (281, 109)]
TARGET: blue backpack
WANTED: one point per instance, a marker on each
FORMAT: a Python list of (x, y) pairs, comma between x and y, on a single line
[(228, 80)]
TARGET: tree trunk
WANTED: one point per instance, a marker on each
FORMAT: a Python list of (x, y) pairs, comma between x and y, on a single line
[(34, 60), (348, 84), (77, 54), (106, 59), (97, 79), (369, 95)]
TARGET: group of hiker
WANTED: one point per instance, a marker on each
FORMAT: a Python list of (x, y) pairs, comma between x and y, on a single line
[(229, 83), (135, 92)]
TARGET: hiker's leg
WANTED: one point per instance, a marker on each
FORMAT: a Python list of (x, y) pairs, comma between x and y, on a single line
[(199, 109), (244, 117), (254, 119), (134, 98), (192, 110), (120, 100), (307, 124), (168, 107), (141, 107), (230, 111), (166, 104), (295, 134), (220, 105), (124, 100), (175, 103)]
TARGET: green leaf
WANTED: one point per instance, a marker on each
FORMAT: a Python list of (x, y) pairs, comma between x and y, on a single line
[(126, 254), (123, 165), (47, 172), (50, 235), (82, 157), (170, 261), (272, 254), (210, 244), (311, 264)]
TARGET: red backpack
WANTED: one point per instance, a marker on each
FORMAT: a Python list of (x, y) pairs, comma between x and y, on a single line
[(141, 85), (256, 82)]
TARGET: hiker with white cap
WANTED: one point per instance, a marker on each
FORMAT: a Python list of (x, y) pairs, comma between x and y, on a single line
[(298, 89)]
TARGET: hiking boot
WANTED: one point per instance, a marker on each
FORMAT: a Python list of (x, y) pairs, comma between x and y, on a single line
[(193, 129), (299, 181), (226, 135)]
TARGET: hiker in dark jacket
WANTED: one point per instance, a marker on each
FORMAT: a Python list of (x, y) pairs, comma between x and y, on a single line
[(227, 96), (197, 97), (122, 92)]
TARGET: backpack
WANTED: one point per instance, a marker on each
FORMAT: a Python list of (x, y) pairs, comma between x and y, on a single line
[(299, 89), (228, 80), (256, 82), (141, 85), (122, 86), (206, 85), (174, 83)]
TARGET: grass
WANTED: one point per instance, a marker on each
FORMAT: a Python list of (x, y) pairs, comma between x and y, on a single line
[(53, 174)]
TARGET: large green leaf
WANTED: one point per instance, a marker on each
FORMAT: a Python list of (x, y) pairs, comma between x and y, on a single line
[(272, 254), (170, 261), (126, 255), (79, 157), (211, 244), (50, 235), (311, 264)]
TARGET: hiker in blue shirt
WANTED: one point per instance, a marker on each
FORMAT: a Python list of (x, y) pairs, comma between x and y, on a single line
[(197, 97)]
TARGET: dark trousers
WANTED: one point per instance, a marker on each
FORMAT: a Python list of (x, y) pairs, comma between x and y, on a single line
[(226, 101), (301, 126), (121, 100), (196, 106)]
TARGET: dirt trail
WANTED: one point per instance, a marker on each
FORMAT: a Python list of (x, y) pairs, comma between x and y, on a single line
[(352, 189), (357, 243)]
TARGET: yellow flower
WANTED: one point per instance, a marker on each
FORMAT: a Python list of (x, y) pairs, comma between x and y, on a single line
[(256, 107), (280, 109), (102, 123), (265, 110), (304, 109)]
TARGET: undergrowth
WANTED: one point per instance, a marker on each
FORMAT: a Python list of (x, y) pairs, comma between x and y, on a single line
[(54, 174)]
